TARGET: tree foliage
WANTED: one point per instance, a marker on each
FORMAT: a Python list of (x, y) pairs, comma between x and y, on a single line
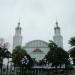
[(4, 53), (56, 55), (72, 54), (72, 41), (17, 54), (72, 50), (20, 57)]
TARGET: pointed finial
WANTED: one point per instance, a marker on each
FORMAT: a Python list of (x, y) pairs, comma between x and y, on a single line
[(19, 22), (56, 23)]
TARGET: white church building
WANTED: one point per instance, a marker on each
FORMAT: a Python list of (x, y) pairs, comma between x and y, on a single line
[(37, 49)]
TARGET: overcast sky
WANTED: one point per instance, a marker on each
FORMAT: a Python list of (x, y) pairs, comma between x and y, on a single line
[(37, 18)]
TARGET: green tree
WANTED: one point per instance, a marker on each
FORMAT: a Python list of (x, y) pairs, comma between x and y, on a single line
[(72, 41), (72, 50), (72, 54), (56, 55), (17, 54), (7, 55), (4, 53), (50, 54), (21, 59)]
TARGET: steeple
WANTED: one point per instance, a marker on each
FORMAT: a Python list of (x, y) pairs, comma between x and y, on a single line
[(18, 29), (17, 39), (56, 23), (58, 39), (19, 23), (57, 29)]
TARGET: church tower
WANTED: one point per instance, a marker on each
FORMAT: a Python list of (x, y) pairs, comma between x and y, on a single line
[(17, 39), (58, 39)]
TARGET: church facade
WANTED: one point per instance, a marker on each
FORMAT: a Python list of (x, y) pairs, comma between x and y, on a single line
[(37, 49)]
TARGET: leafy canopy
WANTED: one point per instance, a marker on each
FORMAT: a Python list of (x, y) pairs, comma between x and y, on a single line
[(56, 55), (17, 54), (72, 41), (21, 58)]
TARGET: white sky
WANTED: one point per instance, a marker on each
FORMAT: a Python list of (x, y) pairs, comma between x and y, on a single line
[(37, 19)]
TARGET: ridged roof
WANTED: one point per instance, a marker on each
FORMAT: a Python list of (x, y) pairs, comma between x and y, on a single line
[(36, 43)]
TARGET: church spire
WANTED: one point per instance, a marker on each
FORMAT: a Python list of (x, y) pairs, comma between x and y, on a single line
[(19, 23), (56, 23), (18, 29), (58, 39), (17, 39)]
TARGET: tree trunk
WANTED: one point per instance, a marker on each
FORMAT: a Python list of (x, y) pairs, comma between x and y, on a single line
[(7, 67), (1, 70), (74, 61), (1, 65)]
